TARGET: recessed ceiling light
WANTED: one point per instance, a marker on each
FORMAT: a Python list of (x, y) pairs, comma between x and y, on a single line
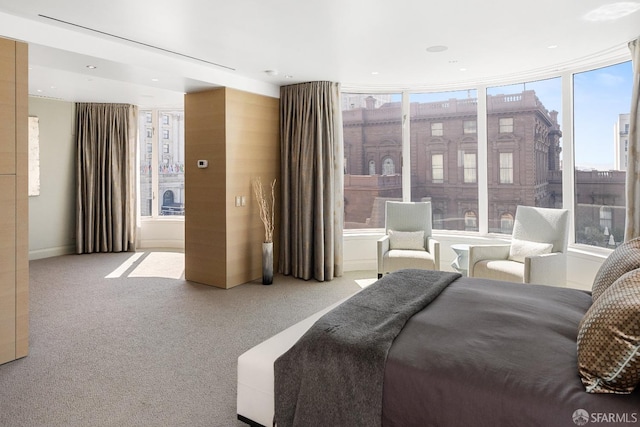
[(453, 61), (91, 67), (288, 76), (39, 90), (553, 46), (374, 73), (436, 49), (463, 69), (271, 72), (155, 80), (610, 12)]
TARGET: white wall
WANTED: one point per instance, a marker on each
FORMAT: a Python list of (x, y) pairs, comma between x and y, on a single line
[(51, 214)]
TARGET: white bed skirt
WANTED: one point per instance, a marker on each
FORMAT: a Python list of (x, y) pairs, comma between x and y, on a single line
[(255, 399)]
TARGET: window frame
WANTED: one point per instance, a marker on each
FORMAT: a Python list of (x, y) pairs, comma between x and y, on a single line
[(482, 166)]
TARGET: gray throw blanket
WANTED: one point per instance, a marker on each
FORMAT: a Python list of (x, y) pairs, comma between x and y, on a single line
[(333, 375)]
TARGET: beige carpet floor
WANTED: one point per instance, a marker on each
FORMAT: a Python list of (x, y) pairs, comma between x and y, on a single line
[(123, 340)]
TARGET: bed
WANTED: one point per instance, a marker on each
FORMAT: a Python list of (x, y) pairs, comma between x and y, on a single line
[(479, 352)]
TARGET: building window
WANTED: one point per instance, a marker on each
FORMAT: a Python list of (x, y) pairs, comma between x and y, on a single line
[(470, 126), (165, 133), (437, 168), (469, 168), (437, 129), (438, 219), (506, 168), (470, 221), (388, 168), (605, 219), (372, 167), (506, 223), (506, 125)]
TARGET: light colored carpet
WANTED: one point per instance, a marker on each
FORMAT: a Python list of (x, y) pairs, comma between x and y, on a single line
[(124, 340)]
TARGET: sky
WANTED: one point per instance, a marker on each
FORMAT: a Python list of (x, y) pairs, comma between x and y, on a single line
[(600, 96)]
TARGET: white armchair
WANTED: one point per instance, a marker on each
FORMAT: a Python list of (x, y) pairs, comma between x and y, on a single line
[(408, 241), (537, 253)]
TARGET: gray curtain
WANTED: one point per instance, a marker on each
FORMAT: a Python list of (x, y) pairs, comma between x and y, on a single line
[(312, 211), (106, 137), (632, 224)]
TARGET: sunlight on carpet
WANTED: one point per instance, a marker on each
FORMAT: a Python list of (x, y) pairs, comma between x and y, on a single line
[(161, 264), (169, 265)]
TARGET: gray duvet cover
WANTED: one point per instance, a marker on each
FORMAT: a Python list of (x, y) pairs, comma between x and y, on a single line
[(490, 353)]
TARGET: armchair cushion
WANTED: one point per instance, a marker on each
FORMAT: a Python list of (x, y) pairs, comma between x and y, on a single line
[(523, 248), (510, 271), (398, 259), (410, 240)]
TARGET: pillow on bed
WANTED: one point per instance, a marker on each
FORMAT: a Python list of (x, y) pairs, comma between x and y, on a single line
[(625, 258), (406, 240), (523, 248), (609, 339)]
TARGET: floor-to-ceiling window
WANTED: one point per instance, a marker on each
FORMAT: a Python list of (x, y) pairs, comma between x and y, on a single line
[(372, 156), (602, 100), (444, 156), (524, 149), (161, 161)]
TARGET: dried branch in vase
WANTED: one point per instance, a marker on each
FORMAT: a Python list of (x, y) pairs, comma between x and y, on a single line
[(266, 209)]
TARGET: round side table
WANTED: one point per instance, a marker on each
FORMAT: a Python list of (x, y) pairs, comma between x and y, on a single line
[(461, 263)]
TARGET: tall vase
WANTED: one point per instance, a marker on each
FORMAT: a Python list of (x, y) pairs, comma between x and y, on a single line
[(267, 263)]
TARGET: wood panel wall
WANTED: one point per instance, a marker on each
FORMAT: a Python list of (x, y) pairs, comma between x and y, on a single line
[(238, 134), (14, 262)]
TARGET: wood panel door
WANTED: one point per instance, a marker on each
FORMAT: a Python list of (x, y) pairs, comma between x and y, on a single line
[(7, 268)]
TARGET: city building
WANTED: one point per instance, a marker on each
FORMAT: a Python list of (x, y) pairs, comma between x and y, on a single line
[(621, 142)]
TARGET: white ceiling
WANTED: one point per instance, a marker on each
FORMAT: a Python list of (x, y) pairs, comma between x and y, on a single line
[(150, 53)]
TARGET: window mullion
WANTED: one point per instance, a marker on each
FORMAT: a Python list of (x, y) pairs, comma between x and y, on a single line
[(155, 161), (406, 147), (483, 159)]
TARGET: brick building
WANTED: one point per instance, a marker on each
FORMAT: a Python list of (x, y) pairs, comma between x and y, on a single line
[(524, 145)]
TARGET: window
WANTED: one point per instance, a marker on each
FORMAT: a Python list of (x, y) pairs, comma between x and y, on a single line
[(437, 168), (524, 165), (469, 168), (371, 149), (470, 221), (506, 223), (506, 125), (167, 179), (506, 168), (470, 126), (436, 129), (438, 218), (605, 219), (388, 168), (524, 149), (600, 97), (437, 164)]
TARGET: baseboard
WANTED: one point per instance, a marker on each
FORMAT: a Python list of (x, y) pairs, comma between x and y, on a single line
[(51, 252)]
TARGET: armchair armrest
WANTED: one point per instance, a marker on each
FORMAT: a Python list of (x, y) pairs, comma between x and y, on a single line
[(483, 252), (546, 269), (433, 247), (383, 248)]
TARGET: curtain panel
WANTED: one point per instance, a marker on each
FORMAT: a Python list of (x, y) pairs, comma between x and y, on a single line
[(312, 211), (106, 136), (632, 223)]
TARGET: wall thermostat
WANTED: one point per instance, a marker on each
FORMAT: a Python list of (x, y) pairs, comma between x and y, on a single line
[(203, 164)]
